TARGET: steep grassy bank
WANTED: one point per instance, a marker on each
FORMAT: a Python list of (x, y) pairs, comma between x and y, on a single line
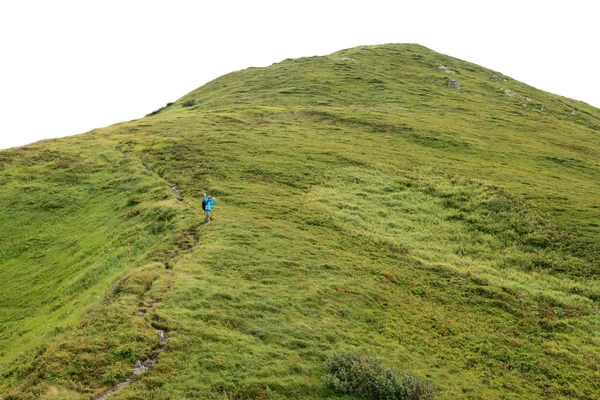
[(362, 204), (76, 215)]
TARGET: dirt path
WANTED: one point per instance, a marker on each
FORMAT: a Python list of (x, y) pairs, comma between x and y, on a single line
[(141, 366)]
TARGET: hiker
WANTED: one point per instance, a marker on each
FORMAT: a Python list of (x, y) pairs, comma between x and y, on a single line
[(207, 203)]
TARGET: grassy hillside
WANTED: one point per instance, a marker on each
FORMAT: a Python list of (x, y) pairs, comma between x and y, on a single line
[(363, 205)]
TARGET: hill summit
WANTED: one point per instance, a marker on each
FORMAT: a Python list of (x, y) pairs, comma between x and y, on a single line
[(388, 202)]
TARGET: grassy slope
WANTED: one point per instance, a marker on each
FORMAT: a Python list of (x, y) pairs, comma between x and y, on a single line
[(75, 216), (362, 205)]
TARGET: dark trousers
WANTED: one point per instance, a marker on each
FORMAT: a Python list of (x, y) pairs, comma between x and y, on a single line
[(206, 215)]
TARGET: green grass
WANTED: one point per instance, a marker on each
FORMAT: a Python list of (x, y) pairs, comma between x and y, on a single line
[(362, 206), (74, 219)]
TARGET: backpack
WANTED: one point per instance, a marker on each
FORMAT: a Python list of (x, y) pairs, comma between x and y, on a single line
[(204, 204)]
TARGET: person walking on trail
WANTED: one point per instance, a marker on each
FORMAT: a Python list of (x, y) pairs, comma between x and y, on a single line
[(207, 203)]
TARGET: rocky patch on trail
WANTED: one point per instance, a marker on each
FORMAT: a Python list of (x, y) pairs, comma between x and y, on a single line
[(141, 366), (175, 190), (452, 83), (114, 390), (445, 69)]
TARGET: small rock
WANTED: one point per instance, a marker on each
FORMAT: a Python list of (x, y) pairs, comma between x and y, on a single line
[(453, 83), (513, 94), (162, 336), (445, 69), (139, 368), (496, 77)]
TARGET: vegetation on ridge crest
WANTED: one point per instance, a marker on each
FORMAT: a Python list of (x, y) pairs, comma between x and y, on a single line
[(363, 207)]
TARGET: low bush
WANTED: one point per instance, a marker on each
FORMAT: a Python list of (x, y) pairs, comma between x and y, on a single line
[(366, 377), (159, 110)]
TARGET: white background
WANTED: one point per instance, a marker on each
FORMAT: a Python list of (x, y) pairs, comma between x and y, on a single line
[(67, 67)]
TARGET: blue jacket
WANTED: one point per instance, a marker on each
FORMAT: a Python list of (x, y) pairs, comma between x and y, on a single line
[(209, 204)]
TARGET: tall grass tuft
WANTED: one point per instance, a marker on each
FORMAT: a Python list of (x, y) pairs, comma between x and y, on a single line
[(366, 377)]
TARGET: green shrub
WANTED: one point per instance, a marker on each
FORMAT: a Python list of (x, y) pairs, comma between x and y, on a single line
[(365, 377), (159, 110)]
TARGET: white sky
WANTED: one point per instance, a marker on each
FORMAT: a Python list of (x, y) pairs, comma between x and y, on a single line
[(67, 67)]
